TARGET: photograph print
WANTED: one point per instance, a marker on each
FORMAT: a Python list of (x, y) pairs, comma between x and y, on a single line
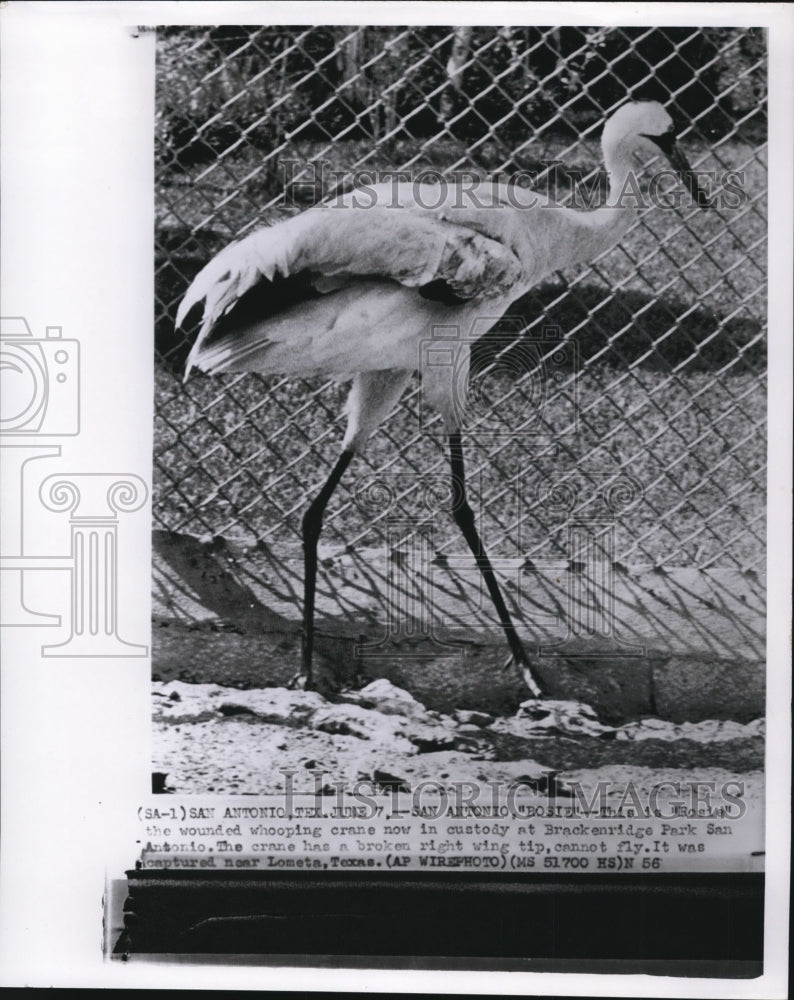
[(459, 498)]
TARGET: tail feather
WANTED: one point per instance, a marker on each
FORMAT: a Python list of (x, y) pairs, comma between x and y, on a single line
[(230, 274), (228, 354), (236, 270)]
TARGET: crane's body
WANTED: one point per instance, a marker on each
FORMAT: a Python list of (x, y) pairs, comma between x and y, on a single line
[(362, 288)]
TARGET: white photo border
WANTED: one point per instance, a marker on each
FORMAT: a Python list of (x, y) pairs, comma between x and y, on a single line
[(77, 161)]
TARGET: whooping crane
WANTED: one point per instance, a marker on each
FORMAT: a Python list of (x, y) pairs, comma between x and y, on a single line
[(357, 289)]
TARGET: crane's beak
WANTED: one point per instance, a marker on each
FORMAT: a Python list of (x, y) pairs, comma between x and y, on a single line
[(679, 163)]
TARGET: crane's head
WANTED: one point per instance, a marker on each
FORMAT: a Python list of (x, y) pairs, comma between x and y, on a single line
[(645, 127)]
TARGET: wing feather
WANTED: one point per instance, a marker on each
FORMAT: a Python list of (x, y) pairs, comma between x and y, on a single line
[(336, 245)]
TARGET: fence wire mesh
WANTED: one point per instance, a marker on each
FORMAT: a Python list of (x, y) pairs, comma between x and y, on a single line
[(647, 382)]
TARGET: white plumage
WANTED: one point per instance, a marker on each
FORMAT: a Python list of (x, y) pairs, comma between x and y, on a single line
[(357, 288)]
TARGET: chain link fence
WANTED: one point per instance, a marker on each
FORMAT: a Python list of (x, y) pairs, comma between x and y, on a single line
[(644, 401)]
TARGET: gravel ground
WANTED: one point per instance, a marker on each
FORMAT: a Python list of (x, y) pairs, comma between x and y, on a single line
[(212, 739)]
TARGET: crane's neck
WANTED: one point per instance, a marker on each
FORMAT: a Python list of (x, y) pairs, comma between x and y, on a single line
[(607, 225), (601, 228)]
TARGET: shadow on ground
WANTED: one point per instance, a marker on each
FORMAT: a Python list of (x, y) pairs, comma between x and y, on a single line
[(679, 645)]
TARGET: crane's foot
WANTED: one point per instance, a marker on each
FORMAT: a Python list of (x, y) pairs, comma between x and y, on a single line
[(521, 663), (319, 681), (300, 682)]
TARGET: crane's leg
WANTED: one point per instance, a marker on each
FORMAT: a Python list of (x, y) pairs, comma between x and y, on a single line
[(464, 518), (372, 396), (311, 527)]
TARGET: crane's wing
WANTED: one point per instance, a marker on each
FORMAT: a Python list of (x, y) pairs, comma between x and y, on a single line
[(326, 248)]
